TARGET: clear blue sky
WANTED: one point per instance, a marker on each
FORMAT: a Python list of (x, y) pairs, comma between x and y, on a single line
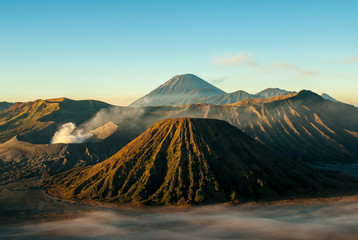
[(117, 51)]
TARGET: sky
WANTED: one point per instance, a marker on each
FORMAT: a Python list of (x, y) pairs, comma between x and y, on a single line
[(117, 51)]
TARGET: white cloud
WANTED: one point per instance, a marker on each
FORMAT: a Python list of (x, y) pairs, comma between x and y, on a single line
[(240, 58), (246, 59), (351, 60), (290, 66), (219, 80)]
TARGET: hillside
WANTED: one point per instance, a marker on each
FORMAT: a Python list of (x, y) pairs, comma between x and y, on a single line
[(22, 118), (5, 105), (192, 161)]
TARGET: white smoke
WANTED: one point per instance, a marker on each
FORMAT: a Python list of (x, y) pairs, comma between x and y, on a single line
[(118, 115), (127, 118), (69, 134)]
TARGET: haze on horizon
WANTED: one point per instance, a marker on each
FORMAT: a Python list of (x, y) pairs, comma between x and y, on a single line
[(117, 51)]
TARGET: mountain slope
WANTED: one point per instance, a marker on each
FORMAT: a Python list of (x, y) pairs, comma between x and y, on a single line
[(185, 161), (226, 98), (272, 92), (327, 97), (179, 90), (5, 105), (22, 118)]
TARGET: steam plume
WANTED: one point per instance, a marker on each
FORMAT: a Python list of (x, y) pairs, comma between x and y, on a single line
[(126, 118), (69, 134)]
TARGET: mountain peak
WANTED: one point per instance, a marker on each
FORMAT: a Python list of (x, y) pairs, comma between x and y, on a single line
[(307, 94), (179, 90), (187, 82)]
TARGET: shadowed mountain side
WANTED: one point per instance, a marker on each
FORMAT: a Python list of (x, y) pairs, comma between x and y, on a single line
[(19, 159), (186, 161), (40, 136), (5, 105), (22, 118)]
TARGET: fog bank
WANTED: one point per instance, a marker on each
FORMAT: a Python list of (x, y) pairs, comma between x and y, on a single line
[(329, 221)]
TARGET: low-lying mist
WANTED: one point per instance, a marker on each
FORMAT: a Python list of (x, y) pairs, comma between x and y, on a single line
[(292, 222)]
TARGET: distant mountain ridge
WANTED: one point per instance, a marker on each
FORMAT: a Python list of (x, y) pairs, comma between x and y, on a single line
[(272, 92), (190, 89)]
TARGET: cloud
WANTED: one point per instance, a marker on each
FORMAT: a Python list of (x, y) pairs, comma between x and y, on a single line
[(219, 80), (290, 66), (246, 59), (237, 59), (351, 60)]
